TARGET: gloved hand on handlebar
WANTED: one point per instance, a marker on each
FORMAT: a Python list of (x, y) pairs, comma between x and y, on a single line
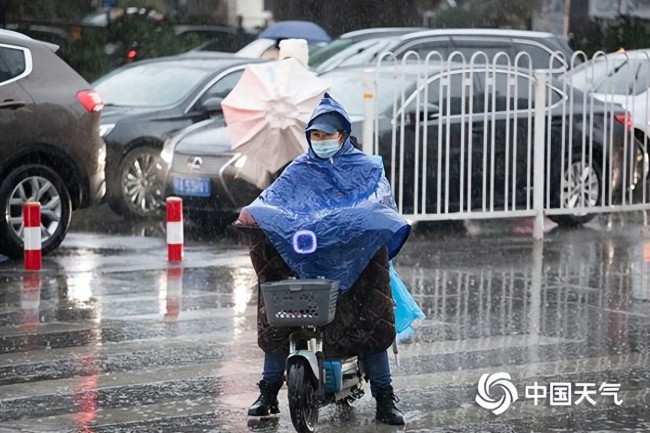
[(245, 219)]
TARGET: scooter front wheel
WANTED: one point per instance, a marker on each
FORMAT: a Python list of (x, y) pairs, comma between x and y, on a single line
[(303, 401)]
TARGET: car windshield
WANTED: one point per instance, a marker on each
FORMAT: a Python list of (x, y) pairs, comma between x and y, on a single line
[(324, 53), (358, 53), (149, 85), (347, 88)]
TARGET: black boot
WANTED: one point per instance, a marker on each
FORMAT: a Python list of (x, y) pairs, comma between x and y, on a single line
[(387, 410), (267, 402)]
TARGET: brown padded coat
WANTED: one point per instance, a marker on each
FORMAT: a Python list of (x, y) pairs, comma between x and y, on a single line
[(365, 317)]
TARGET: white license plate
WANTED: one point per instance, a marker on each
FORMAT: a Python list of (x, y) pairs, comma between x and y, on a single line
[(192, 186)]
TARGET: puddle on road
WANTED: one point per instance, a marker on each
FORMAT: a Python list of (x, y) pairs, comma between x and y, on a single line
[(576, 307)]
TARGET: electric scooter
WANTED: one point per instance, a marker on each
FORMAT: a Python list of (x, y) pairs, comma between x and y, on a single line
[(315, 378)]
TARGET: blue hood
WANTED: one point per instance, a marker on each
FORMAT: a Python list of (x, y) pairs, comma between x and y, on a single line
[(329, 105), (328, 218)]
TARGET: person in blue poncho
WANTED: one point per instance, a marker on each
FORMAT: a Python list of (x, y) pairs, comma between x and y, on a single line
[(339, 196)]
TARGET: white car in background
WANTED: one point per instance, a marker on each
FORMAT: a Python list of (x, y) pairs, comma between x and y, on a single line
[(622, 78)]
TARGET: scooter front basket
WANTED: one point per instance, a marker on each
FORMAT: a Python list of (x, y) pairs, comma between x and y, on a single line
[(308, 302)]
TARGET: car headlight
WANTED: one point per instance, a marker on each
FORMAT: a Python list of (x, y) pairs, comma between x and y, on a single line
[(106, 129)]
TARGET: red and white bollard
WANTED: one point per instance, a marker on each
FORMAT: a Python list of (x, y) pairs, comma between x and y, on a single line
[(30, 301), (32, 236), (174, 229), (174, 293)]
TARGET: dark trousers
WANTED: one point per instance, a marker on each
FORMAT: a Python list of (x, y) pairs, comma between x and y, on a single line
[(375, 365)]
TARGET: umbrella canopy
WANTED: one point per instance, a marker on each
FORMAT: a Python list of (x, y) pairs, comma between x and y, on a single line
[(311, 32), (268, 109)]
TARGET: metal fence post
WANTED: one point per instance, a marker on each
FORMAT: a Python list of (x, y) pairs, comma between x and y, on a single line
[(369, 92), (541, 80), (535, 313), (536, 277)]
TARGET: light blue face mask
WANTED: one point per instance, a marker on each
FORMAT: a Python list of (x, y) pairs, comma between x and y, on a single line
[(325, 148)]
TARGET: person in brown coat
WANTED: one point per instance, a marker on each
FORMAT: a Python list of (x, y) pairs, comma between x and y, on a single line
[(332, 176)]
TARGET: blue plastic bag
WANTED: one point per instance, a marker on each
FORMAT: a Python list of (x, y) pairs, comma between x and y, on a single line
[(407, 310)]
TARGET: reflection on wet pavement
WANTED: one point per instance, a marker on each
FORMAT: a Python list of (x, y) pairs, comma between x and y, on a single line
[(110, 338)]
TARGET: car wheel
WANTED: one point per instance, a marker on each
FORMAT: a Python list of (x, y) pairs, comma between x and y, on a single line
[(141, 188), (582, 187), (33, 183)]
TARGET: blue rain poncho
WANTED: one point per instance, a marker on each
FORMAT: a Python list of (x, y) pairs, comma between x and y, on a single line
[(328, 217)]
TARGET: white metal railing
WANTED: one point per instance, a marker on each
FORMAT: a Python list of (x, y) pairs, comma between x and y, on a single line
[(494, 138)]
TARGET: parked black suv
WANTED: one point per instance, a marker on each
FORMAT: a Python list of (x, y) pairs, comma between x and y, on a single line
[(50, 148)]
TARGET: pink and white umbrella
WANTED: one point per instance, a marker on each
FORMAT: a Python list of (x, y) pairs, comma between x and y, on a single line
[(268, 109)]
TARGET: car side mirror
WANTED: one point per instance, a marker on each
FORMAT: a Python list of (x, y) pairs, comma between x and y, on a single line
[(212, 105)]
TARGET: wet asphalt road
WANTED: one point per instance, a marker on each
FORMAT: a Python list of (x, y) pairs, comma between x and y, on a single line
[(115, 340)]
